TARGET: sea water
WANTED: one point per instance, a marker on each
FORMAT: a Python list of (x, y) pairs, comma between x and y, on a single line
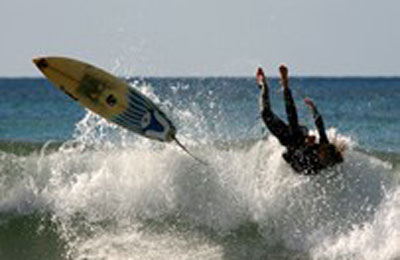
[(73, 186)]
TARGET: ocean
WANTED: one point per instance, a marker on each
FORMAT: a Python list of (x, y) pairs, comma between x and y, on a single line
[(73, 186)]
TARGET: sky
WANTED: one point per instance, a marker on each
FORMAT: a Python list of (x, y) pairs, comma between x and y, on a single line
[(204, 37)]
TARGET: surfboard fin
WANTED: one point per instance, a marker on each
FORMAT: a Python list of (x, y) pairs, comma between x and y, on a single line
[(187, 151)]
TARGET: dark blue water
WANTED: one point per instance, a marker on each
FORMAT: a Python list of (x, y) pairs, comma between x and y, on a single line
[(366, 109), (33, 110)]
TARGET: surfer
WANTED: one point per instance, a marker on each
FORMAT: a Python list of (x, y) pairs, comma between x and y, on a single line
[(302, 153)]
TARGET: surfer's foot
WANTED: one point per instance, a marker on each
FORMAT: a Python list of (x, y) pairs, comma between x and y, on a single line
[(310, 104), (284, 76), (260, 76)]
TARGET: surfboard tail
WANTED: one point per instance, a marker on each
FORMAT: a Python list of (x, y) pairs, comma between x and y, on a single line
[(187, 151)]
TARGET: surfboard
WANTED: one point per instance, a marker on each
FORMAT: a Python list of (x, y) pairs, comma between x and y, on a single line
[(107, 96)]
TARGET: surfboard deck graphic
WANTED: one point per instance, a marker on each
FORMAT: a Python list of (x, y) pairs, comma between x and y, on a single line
[(107, 96)]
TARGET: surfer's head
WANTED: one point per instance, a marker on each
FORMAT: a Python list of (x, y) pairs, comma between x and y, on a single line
[(310, 140), (329, 154)]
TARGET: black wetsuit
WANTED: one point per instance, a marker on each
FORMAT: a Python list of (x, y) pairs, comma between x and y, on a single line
[(302, 157)]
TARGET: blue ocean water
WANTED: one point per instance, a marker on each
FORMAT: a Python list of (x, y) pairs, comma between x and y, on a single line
[(73, 186), (367, 109)]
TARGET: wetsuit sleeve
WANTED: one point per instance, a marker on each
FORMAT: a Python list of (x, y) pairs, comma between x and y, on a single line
[(319, 123)]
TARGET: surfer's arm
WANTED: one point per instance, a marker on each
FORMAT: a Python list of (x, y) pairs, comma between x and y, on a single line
[(319, 122)]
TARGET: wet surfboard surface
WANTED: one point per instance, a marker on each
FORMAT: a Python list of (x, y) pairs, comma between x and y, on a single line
[(107, 96)]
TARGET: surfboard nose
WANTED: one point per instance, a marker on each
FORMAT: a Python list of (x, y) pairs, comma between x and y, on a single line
[(40, 62)]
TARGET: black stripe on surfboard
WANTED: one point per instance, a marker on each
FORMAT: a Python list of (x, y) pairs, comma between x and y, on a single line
[(136, 114), (135, 106), (132, 111), (124, 124), (129, 120), (138, 100)]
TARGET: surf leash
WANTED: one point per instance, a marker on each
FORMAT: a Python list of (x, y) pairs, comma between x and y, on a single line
[(187, 151)]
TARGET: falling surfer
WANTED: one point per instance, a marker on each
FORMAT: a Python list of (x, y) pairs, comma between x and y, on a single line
[(303, 153)]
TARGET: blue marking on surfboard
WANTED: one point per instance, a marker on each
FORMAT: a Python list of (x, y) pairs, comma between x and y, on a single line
[(144, 117), (134, 114), (154, 125)]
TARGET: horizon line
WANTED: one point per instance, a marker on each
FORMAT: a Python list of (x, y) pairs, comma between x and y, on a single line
[(230, 76)]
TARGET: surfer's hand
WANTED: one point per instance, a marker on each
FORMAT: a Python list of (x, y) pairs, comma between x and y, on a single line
[(260, 77), (310, 103)]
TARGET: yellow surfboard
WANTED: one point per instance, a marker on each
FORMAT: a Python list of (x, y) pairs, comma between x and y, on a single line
[(107, 96)]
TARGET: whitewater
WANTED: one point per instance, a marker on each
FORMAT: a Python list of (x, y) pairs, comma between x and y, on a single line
[(106, 193)]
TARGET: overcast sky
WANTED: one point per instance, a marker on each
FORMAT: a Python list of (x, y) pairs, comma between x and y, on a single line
[(205, 37)]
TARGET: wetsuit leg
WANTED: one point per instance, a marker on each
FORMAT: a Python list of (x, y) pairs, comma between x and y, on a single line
[(291, 110), (275, 125)]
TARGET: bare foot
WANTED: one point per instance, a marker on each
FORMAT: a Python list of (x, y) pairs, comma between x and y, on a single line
[(260, 77), (284, 76)]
